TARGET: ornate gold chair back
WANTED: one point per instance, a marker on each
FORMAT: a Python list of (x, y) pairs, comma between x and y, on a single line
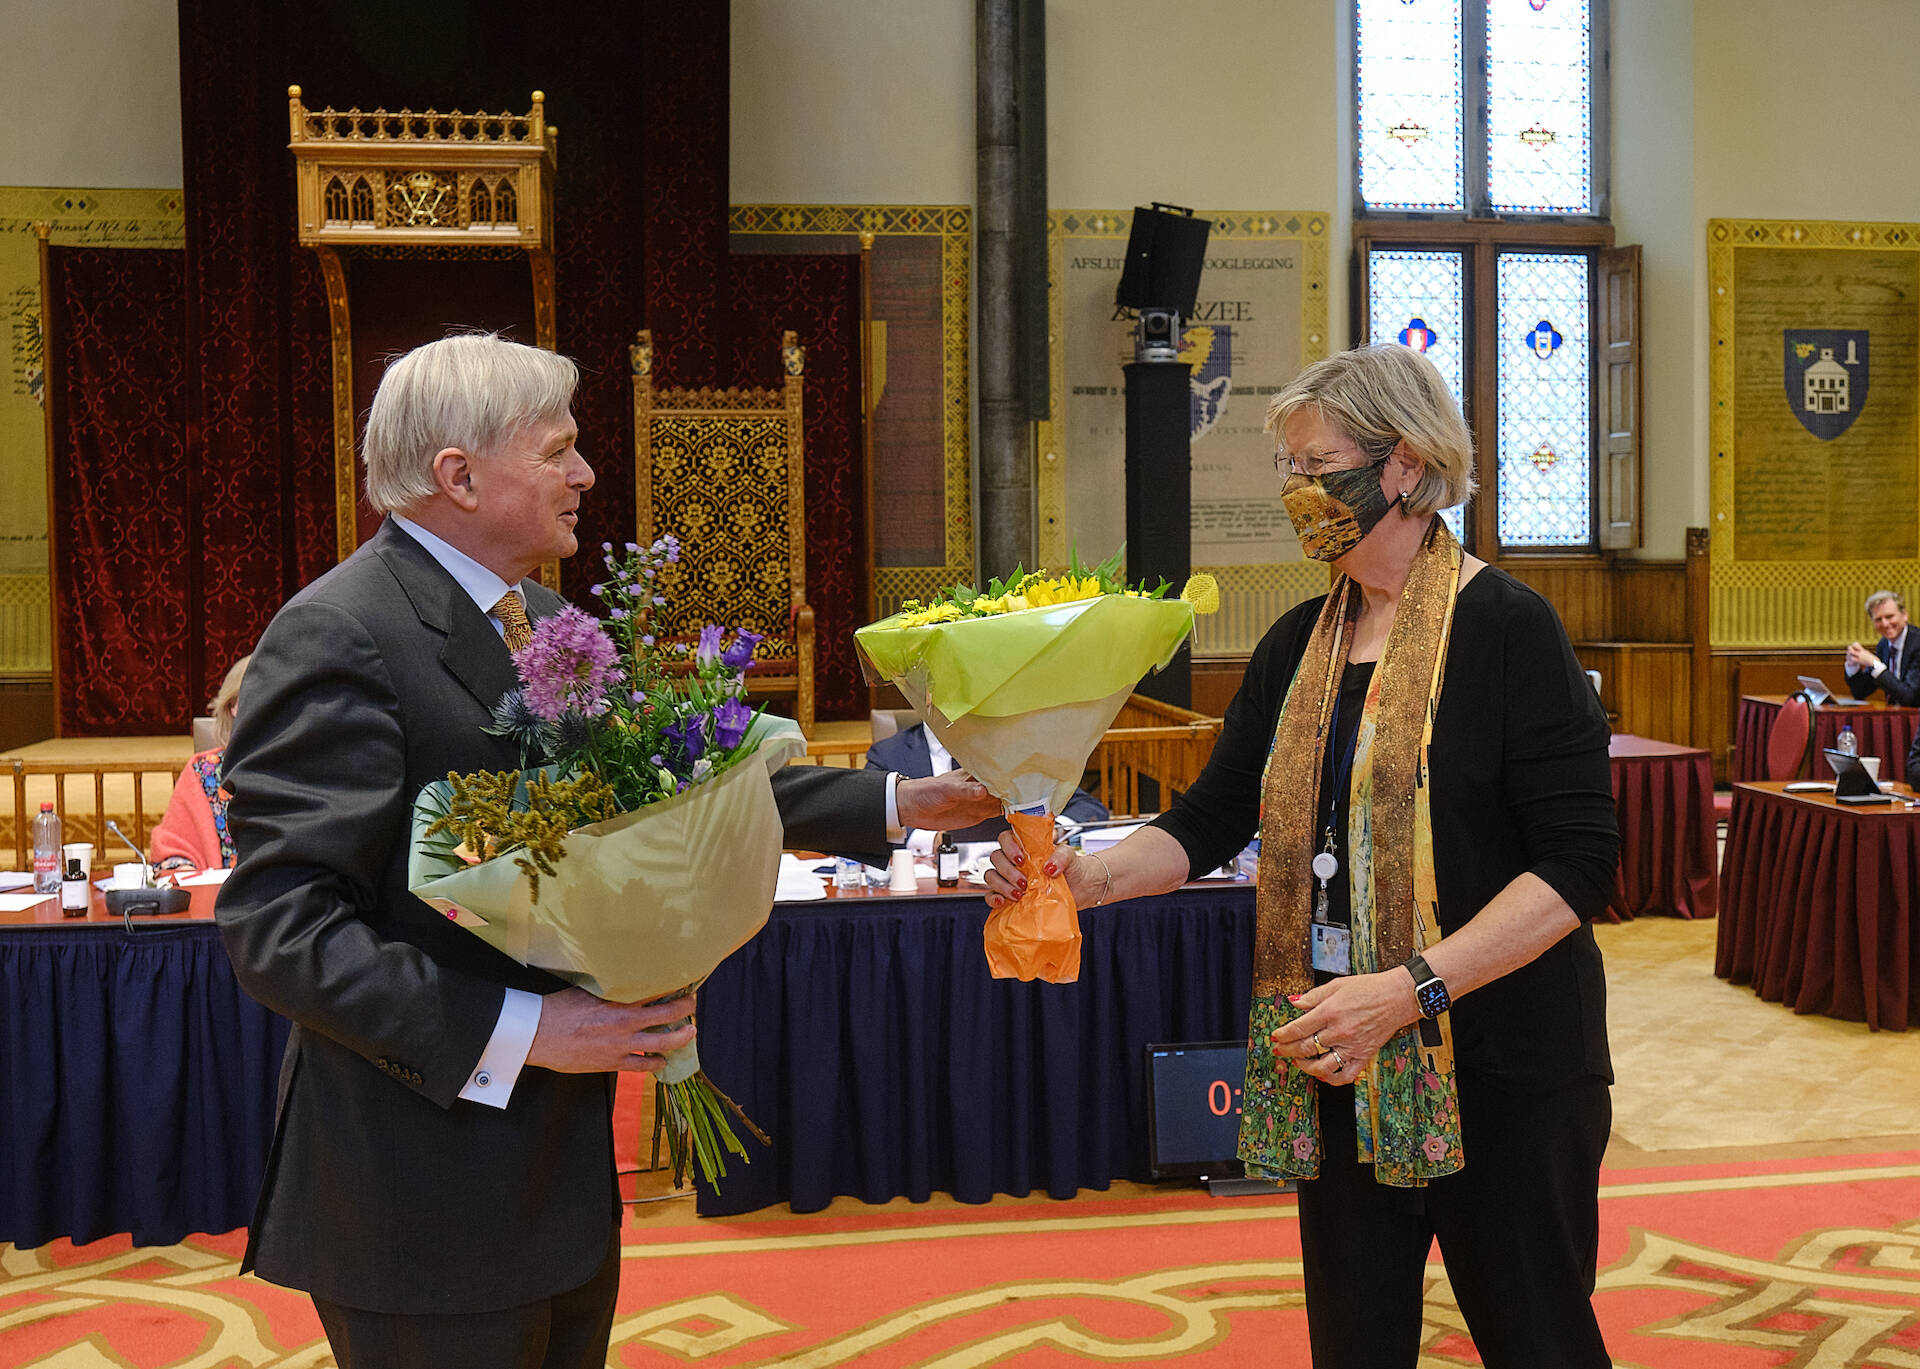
[(724, 471)]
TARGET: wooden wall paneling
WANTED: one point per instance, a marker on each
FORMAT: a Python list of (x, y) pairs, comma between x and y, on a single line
[(1578, 591), (1699, 591), (1650, 601)]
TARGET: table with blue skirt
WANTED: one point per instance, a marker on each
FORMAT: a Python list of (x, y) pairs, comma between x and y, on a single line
[(863, 1032), (138, 1082), (865, 1035)]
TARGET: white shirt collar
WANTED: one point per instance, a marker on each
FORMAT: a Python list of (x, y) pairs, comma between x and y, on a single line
[(941, 758), (480, 584)]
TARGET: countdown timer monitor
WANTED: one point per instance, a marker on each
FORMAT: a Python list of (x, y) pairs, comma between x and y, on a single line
[(1194, 1091)]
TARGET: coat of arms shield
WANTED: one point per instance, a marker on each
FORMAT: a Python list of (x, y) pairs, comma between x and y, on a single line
[(1826, 376)]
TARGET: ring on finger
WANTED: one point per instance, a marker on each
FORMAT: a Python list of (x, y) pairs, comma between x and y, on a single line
[(1318, 1049), (1339, 1061)]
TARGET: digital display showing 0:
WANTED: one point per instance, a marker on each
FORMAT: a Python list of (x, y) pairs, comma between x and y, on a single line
[(1193, 1107)]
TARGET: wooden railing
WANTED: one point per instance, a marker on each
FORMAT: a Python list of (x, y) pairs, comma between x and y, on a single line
[(133, 794), (1149, 742)]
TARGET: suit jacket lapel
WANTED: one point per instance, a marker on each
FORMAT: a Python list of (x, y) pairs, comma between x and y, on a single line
[(473, 652)]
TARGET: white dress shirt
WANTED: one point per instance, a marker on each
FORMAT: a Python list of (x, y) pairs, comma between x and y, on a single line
[(493, 1077)]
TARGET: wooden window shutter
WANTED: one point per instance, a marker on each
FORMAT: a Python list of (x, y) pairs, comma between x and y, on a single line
[(1617, 363)]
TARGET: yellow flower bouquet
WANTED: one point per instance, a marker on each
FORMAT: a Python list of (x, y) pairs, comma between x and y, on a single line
[(1019, 682)]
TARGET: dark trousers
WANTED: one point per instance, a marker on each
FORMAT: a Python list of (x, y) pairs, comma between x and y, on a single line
[(1518, 1227), (567, 1331)]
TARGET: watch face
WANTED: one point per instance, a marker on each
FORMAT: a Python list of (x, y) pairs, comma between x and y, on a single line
[(1433, 997)]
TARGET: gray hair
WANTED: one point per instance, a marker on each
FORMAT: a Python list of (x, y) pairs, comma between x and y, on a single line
[(472, 391), (1381, 396), (1880, 596)]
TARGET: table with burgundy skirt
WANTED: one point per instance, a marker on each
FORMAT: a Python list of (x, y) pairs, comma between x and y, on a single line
[(1820, 904), (1881, 729), (1664, 794)]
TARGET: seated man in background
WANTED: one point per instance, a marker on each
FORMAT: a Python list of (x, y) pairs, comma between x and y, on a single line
[(915, 753), (193, 833), (1893, 664), (1913, 761)]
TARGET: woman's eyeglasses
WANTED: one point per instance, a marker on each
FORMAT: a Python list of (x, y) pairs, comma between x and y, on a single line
[(1314, 463)]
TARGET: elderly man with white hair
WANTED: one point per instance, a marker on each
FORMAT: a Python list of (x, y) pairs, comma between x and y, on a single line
[(441, 1177)]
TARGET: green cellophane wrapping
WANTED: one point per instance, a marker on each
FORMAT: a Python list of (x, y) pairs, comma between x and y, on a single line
[(1021, 699), (644, 904)]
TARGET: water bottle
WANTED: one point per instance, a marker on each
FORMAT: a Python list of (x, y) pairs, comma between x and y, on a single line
[(1846, 742), (46, 851)]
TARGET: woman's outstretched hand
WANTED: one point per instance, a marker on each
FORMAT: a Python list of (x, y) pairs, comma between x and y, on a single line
[(1006, 878)]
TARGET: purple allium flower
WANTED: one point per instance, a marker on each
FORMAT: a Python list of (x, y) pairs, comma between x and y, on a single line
[(730, 722), (569, 663), (740, 655), (708, 650)]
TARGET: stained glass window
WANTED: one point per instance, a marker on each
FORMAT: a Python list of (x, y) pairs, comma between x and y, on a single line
[(1540, 106), (1418, 298), (1409, 100), (1545, 395)]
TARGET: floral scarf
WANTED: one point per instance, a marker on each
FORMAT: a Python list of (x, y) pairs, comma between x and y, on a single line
[(1406, 1104)]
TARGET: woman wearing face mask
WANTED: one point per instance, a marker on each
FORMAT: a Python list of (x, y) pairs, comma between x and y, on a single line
[(1426, 766)]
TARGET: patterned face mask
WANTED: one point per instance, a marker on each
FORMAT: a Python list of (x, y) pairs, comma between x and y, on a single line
[(1331, 513)]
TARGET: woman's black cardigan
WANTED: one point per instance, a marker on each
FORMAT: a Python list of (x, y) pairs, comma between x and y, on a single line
[(1520, 784)]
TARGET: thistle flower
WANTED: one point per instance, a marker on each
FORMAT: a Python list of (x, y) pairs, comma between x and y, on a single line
[(730, 723), (515, 720), (740, 655), (568, 664)]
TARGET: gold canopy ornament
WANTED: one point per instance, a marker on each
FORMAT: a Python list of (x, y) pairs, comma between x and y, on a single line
[(423, 179)]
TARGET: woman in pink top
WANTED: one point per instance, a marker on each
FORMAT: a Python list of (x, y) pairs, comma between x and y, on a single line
[(193, 834)]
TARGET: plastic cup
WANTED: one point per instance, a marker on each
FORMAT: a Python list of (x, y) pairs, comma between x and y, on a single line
[(900, 876), (80, 850)]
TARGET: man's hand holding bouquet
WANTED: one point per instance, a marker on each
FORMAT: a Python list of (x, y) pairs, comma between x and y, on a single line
[(1019, 683), (638, 844)]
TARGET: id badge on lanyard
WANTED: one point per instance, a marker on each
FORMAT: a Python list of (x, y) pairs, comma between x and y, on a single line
[(1330, 946)]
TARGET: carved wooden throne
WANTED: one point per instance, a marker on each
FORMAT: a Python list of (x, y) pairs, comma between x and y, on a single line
[(723, 471)]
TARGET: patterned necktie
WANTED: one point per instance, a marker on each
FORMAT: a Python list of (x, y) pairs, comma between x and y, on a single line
[(512, 616)]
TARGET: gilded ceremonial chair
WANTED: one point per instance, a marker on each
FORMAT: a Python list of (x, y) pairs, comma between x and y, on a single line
[(723, 471)]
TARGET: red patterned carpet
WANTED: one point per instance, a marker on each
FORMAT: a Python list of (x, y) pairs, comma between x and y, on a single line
[(1811, 1262)]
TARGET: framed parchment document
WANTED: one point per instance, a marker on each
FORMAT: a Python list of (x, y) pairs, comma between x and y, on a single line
[(1815, 425), (1261, 316)]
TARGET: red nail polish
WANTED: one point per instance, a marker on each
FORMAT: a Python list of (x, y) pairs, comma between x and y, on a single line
[(1052, 869)]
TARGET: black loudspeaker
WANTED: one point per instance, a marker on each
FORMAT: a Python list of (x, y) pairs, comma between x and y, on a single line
[(1166, 252)]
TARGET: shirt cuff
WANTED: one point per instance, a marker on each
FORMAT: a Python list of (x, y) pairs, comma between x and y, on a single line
[(500, 1064), (895, 832), (1879, 669), (919, 842)]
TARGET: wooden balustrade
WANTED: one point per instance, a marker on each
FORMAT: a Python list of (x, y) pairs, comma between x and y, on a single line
[(133, 794)]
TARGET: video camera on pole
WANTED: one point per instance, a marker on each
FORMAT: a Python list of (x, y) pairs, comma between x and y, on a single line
[(1160, 284)]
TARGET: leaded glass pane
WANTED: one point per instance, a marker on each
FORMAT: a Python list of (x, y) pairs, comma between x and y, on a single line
[(1419, 300), (1540, 106), (1546, 400), (1409, 100)]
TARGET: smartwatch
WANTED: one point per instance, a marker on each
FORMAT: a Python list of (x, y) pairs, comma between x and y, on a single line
[(1428, 988)]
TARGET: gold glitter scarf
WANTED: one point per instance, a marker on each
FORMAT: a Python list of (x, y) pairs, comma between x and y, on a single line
[(1406, 1104)]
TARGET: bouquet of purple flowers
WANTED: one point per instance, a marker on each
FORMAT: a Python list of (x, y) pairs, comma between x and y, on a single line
[(638, 843)]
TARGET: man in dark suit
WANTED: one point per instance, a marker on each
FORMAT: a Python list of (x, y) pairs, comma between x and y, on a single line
[(916, 751), (441, 1176), (1894, 663)]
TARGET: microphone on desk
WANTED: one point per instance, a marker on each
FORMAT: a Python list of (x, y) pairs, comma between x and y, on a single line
[(146, 901)]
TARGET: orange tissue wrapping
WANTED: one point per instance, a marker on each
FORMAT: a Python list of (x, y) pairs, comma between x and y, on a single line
[(1037, 936)]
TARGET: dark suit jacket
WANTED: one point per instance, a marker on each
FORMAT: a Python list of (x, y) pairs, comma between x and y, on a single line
[(908, 753), (1903, 689), (384, 1190)]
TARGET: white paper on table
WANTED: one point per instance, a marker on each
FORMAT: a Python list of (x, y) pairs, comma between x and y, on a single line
[(797, 882), (15, 879), (205, 877), (19, 903), (1100, 838)]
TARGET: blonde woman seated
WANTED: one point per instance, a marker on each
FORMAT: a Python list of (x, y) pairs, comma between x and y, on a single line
[(193, 834)]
